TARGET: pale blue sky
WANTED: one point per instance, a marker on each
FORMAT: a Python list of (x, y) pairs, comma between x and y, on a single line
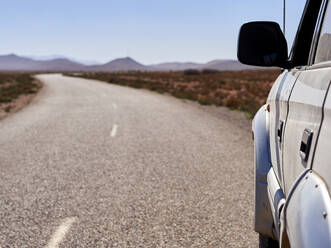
[(150, 31)]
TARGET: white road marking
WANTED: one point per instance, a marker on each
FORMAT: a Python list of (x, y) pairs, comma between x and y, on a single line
[(114, 106), (60, 232), (114, 131)]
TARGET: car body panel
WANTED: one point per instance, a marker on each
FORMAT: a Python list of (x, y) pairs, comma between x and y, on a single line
[(278, 101), (322, 157), (308, 213), (276, 199), (305, 112), (263, 218)]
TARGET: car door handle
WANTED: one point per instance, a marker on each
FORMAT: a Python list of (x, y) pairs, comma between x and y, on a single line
[(307, 137), (280, 131)]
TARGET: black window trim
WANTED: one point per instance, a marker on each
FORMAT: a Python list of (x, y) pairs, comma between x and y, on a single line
[(296, 51), (296, 35), (317, 32)]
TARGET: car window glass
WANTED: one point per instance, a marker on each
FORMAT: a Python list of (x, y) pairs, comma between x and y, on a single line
[(323, 52)]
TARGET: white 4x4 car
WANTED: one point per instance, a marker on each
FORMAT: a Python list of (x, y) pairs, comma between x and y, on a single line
[(292, 132)]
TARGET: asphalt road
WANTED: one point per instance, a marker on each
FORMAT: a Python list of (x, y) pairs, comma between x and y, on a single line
[(89, 164)]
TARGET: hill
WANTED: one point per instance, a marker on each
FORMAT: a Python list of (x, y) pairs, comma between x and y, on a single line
[(13, 62), (121, 64)]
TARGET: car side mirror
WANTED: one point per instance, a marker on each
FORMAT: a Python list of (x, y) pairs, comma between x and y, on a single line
[(262, 44)]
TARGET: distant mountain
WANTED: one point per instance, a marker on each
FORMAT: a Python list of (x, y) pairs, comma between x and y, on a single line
[(60, 65), (122, 64), (51, 57), (13, 62), (220, 65), (227, 65), (175, 66)]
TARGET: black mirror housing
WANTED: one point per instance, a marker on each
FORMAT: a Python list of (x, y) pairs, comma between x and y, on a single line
[(262, 44)]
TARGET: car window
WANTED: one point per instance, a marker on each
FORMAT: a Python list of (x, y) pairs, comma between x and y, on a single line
[(293, 18), (302, 45), (323, 52)]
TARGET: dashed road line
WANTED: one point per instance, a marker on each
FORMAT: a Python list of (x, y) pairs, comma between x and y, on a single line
[(114, 130), (61, 232)]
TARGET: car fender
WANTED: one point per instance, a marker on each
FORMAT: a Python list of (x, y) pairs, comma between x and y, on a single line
[(308, 213), (263, 222)]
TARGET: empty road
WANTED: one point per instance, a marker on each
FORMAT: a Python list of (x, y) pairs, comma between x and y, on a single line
[(89, 164)]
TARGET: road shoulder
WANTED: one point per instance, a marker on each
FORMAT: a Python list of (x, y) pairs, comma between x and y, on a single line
[(15, 105)]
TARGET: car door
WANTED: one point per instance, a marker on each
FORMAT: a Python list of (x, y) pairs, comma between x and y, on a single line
[(278, 105), (305, 114), (322, 157), (307, 210), (279, 96), (303, 122)]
